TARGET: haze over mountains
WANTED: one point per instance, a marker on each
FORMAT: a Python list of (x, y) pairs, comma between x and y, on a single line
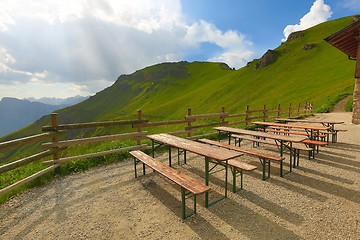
[(17, 113)]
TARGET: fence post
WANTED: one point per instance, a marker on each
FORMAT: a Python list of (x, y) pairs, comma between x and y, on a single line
[(189, 122), (138, 127), (55, 139), (265, 116), (223, 116), (289, 110), (298, 111), (278, 111), (247, 115)]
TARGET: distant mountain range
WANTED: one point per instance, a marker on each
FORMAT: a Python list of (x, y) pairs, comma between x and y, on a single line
[(58, 101), (18, 113)]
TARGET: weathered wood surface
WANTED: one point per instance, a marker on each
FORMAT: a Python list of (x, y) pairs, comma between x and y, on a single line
[(207, 115), (97, 154), (66, 143), (194, 147), (307, 121), (28, 179), (262, 134), (180, 178), (308, 127), (91, 125), (23, 161), (248, 151), (25, 140)]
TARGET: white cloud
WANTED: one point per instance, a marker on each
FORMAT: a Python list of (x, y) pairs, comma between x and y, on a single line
[(88, 44), (319, 12), (236, 48)]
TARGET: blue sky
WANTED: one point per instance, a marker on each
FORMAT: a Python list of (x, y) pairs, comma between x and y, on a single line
[(51, 48)]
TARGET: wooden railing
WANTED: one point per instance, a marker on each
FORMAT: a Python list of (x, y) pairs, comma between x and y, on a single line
[(190, 126)]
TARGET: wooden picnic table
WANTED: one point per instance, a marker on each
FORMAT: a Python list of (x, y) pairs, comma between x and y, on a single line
[(208, 151), (309, 129), (282, 140), (329, 124)]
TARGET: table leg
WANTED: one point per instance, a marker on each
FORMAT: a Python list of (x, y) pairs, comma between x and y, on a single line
[(152, 148), (207, 181), (169, 156), (291, 154), (226, 177)]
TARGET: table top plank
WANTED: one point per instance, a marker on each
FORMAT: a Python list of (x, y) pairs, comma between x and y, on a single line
[(316, 128), (262, 134), (195, 147), (309, 121)]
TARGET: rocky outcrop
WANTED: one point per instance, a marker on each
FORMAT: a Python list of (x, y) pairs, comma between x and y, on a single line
[(268, 58), (309, 46), (295, 35)]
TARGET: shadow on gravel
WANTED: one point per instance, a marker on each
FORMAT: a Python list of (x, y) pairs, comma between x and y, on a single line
[(59, 208), (296, 189), (202, 227), (325, 175), (250, 223), (272, 207), (332, 153), (344, 164), (329, 188), (346, 147)]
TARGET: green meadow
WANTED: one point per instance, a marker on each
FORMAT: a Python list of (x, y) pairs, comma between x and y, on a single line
[(322, 75)]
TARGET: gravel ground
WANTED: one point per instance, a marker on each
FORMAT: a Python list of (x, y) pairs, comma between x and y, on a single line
[(318, 200)]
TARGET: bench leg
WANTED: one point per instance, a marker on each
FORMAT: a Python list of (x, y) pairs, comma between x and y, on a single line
[(179, 153), (295, 155), (234, 172), (298, 157), (183, 204), (265, 162), (135, 163), (207, 181), (207, 173), (169, 156)]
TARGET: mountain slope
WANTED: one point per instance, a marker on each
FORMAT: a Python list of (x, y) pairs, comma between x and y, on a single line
[(319, 74), (15, 113)]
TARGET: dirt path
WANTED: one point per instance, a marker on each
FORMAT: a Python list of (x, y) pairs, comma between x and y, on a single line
[(340, 106), (318, 200)]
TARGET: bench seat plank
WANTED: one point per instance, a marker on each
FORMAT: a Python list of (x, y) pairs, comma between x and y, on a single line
[(180, 178), (241, 165), (186, 182), (264, 157), (244, 150)]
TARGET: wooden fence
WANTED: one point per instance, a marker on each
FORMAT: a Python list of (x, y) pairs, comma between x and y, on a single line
[(191, 125)]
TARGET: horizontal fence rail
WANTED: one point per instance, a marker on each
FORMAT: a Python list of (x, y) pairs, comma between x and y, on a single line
[(193, 126)]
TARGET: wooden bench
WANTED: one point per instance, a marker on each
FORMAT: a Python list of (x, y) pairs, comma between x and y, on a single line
[(314, 144), (321, 135), (256, 141), (296, 152), (334, 133), (189, 186), (265, 158), (295, 146)]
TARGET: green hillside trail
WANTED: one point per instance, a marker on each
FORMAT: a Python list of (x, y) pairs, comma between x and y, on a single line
[(340, 106)]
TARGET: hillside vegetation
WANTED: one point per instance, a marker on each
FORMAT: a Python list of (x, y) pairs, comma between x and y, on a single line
[(305, 69), (319, 75)]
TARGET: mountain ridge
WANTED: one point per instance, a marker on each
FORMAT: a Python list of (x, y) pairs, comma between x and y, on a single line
[(320, 75)]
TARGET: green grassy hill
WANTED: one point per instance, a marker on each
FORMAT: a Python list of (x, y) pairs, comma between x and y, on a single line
[(321, 75)]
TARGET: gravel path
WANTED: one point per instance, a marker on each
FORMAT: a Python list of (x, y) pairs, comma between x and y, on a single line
[(318, 200)]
